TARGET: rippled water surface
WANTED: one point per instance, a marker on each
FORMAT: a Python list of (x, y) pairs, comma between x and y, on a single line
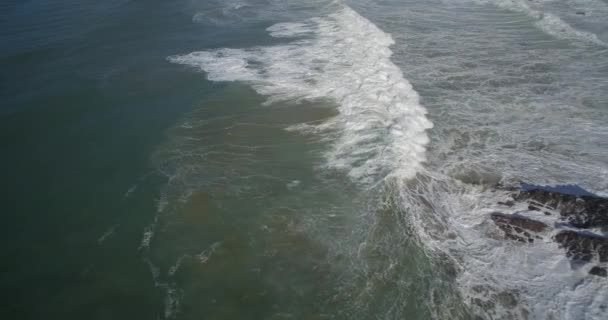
[(263, 159)]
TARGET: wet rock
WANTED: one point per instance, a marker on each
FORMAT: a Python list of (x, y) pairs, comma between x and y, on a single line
[(578, 207), (533, 207), (583, 246), (518, 227), (598, 271), (578, 210), (519, 221)]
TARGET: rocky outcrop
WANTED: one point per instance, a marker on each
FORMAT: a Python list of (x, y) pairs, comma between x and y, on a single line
[(578, 212), (517, 227), (576, 206), (583, 247), (598, 271)]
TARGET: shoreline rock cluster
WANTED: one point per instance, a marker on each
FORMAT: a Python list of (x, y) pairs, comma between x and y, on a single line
[(581, 215)]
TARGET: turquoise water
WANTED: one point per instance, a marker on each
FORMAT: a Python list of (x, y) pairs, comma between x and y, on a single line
[(290, 160)]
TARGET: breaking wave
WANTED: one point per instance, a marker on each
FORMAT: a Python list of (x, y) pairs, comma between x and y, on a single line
[(343, 58), (380, 132)]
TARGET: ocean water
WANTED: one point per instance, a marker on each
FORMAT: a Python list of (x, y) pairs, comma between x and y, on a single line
[(282, 159)]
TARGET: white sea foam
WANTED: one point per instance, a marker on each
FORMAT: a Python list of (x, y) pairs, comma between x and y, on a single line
[(549, 23), (221, 15), (107, 234), (498, 278), (172, 295), (380, 132), (343, 58), (146, 238), (205, 255), (148, 235)]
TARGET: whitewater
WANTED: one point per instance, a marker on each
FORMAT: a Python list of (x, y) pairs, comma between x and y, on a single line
[(318, 159), (381, 126), (380, 133)]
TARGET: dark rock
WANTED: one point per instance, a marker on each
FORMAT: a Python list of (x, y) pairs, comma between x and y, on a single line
[(598, 271), (519, 221), (583, 246), (578, 207), (518, 227)]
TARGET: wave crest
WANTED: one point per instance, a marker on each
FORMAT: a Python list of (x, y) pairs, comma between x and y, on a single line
[(381, 127)]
